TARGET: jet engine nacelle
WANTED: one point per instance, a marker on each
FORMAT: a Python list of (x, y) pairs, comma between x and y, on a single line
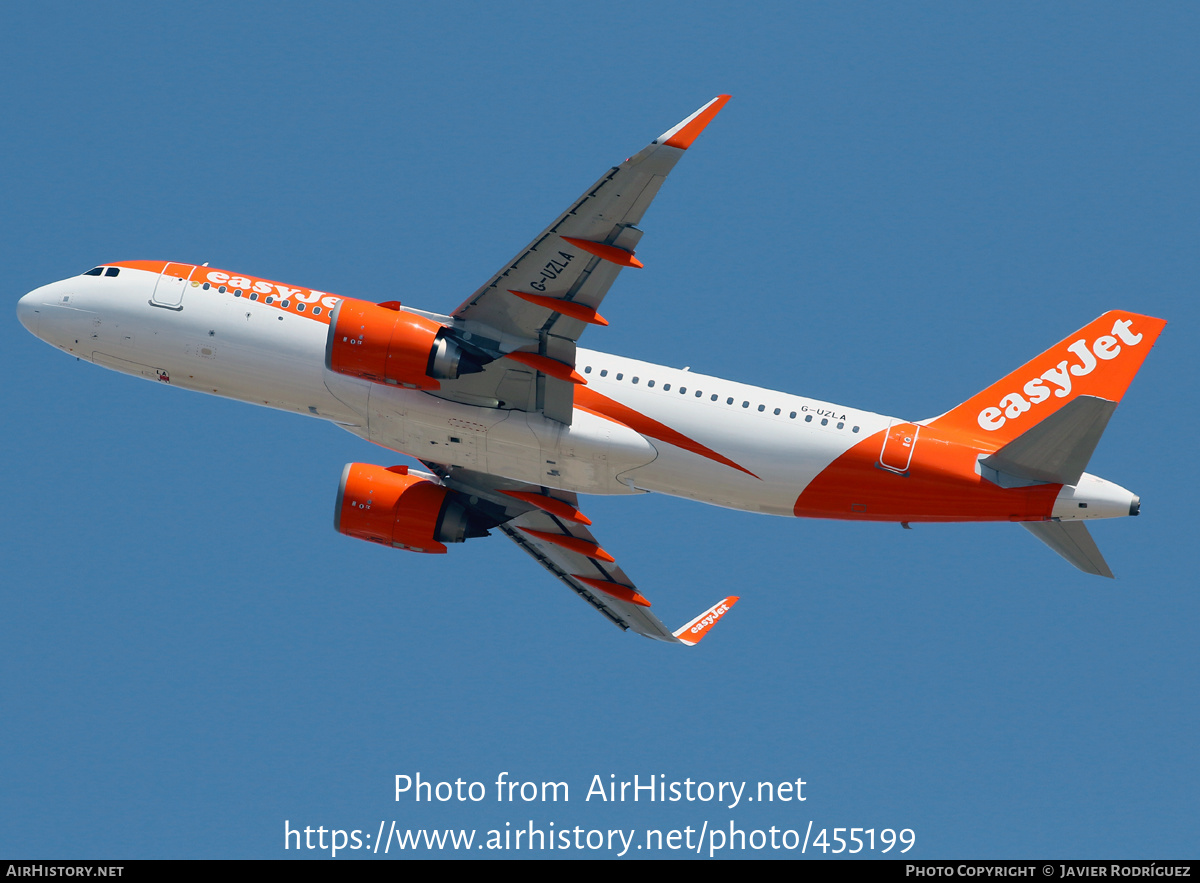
[(386, 345), (393, 508)]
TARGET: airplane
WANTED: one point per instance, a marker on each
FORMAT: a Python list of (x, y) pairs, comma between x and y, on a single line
[(513, 420)]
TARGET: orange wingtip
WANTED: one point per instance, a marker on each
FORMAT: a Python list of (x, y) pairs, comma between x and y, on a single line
[(686, 132), (391, 305), (550, 504), (610, 253), (549, 366), (582, 312), (623, 593), (573, 544), (691, 633)]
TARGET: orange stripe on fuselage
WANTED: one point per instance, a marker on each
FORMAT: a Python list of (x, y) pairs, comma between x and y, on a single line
[(941, 484), (589, 400)]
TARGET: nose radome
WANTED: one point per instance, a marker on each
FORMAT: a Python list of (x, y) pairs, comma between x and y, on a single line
[(27, 312)]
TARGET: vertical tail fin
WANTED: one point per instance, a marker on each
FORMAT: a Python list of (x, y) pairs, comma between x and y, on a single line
[(1099, 360)]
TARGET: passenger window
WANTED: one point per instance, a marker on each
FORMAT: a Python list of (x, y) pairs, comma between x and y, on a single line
[(207, 286), (824, 421), (635, 380), (604, 373), (729, 401), (683, 390), (666, 387), (620, 376), (792, 415), (762, 407), (284, 303), (316, 310), (268, 299), (649, 383), (776, 412), (587, 370), (300, 307), (855, 429), (253, 295), (808, 418)]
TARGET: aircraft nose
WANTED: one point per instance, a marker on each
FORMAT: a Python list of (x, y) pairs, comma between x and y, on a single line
[(27, 312)]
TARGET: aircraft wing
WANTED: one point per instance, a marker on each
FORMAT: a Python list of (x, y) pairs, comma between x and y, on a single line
[(549, 526), (550, 291)]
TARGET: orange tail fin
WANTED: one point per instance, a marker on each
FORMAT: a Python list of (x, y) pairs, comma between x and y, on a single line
[(1099, 360)]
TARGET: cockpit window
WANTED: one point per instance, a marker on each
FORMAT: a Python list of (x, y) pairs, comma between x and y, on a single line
[(112, 271), (94, 272)]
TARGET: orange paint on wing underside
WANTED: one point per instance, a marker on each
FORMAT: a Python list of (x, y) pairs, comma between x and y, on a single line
[(554, 506), (620, 256), (622, 592), (602, 406), (582, 312), (548, 366), (578, 545), (940, 484)]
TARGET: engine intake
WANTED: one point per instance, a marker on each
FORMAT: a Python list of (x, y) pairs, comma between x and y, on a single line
[(391, 346), (406, 511)]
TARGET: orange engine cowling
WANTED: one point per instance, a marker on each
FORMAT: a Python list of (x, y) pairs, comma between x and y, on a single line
[(397, 509), (388, 345)]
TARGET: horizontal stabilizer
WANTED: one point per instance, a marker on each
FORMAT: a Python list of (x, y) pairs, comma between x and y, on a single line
[(1056, 450), (1071, 540)]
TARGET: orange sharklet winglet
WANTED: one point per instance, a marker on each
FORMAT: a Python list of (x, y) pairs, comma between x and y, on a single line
[(549, 366), (582, 312), (554, 506), (686, 132), (617, 590), (582, 547), (611, 253), (691, 633), (391, 305)]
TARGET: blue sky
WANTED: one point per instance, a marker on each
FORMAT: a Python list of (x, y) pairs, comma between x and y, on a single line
[(900, 204)]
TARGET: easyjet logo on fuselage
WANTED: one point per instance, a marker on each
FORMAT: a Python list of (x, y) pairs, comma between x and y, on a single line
[(1058, 379), (261, 286)]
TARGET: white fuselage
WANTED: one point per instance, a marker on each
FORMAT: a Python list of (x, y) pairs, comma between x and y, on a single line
[(732, 445)]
